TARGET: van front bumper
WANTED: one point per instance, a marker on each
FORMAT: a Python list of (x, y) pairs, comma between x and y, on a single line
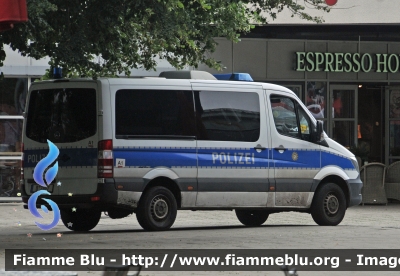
[(355, 187)]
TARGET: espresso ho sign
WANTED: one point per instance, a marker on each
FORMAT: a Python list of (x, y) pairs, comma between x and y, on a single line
[(347, 62)]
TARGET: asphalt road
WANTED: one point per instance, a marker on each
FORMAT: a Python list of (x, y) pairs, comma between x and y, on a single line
[(364, 227)]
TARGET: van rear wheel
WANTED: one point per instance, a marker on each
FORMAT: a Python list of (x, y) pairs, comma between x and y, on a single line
[(157, 209), (252, 217), (80, 219), (329, 205)]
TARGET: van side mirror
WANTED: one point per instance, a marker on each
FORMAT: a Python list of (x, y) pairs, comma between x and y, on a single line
[(320, 129), (318, 132)]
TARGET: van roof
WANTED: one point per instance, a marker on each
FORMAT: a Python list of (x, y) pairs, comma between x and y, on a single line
[(181, 80)]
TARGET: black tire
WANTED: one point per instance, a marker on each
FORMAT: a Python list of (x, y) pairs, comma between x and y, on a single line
[(81, 219), (329, 205), (157, 209), (118, 213), (252, 217)]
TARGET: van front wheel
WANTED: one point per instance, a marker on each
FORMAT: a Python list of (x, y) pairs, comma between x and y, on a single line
[(252, 217), (157, 209), (80, 219), (329, 205)]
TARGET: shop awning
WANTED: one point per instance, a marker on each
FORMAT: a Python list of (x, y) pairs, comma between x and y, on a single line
[(11, 12)]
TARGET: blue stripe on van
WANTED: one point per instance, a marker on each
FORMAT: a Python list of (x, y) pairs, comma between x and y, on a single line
[(307, 159), (68, 157), (155, 157), (228, 157), (328, 158), (187, 157)]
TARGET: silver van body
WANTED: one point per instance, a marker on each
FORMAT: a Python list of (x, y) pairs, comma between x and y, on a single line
[(156, 145)]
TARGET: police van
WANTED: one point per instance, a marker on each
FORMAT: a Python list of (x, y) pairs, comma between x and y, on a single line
[(183, 141)]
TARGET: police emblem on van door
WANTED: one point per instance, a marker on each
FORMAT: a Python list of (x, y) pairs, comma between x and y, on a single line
[(295, 156)]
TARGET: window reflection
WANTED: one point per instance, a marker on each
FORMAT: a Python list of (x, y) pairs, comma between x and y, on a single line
[(228, 116), (13, 93), (394, 104), (316, 99), (343, 133), (343, 103)]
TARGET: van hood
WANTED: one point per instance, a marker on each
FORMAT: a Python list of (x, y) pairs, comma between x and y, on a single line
[(338, 147)]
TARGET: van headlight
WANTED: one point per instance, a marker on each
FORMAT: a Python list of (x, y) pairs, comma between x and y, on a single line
[(355, 164)]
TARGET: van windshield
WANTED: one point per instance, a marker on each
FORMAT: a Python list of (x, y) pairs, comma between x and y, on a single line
[(61, 115)]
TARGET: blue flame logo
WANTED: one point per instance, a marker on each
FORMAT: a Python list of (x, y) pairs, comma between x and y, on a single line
[(39, 175), (44, 163)]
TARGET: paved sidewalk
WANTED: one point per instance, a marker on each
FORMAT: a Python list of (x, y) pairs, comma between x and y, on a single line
[(364, 227)]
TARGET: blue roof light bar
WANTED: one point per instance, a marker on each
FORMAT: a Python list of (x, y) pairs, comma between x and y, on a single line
[(234, 77)]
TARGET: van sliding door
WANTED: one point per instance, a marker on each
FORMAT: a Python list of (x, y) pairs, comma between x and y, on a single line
[(233, 166), (154, 139)]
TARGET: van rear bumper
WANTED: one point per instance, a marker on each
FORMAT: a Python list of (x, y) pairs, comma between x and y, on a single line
[(355, 186), (103, 199)]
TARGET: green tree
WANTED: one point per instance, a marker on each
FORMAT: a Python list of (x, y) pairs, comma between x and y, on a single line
[(102, 37)]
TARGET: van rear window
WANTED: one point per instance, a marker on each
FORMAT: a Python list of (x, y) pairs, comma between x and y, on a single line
[(61, 115)]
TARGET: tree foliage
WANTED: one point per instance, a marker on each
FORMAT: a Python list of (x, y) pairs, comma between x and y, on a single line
[(102, 37)]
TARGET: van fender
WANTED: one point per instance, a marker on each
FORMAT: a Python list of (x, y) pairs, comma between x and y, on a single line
[(161, 172), (351, 186), (331, 170), (184, 199)]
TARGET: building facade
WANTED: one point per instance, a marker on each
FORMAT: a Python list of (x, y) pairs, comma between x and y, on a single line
[(347, 75)]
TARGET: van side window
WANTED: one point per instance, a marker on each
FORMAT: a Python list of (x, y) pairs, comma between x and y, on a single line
[(290, 119), (227, 116), (154, 113), (305, 124), (284, 113)]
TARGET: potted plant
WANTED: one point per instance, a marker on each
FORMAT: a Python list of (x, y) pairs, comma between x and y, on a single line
[(361, 150)]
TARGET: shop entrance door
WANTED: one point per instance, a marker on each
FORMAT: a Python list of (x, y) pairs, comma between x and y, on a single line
[(392, 127), (342, 126), (370, 146)]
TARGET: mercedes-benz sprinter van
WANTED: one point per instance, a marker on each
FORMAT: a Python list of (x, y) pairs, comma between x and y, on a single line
[(183, 141)]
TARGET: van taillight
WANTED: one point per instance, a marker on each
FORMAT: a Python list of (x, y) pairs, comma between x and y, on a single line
[(105, 159), (22, 161)]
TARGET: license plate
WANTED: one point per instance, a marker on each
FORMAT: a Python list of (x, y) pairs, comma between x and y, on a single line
[(35, 188)]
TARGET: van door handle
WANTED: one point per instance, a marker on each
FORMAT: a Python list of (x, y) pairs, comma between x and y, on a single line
[(259, 147), (280, 148)]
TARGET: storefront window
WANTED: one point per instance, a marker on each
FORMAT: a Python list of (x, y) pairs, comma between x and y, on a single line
[(12, 103), (343, 103), (394, 139), (394, 103), (394, 125), (343, 133), (295, 88), (10, 135), (316, 99)]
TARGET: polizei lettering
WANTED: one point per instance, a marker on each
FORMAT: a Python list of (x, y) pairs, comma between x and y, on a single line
[(236, 158), (35, 158)]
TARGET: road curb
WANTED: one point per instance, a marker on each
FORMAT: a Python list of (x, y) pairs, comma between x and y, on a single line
[(10, 199)]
